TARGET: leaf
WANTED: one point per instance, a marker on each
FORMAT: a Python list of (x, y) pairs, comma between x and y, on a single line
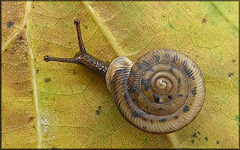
[(59, 105)]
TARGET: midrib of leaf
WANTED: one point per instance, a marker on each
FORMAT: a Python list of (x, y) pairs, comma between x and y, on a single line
[(109, 37), (224, 16), (105, 32), (34, 80)]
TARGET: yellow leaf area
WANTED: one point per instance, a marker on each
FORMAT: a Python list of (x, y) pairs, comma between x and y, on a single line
[(60, 105)]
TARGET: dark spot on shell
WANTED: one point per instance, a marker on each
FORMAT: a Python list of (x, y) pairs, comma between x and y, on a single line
[(132, 89), (185, 108), (162, 120), (127, 102), (156, 98), (167, 56), (130, 106), (169, 97), (203, 20), (150, 69), (126, 95), (230, 74), (194, 91), (146, 84), (151, 121), (144, 65), (174, 59), (9, 24), (184, 64), (137, 113), (193, 78), (189, 73), (179, 81), (171, 69), (144, 127), (147, 106), (48, 79), (156, 58), (192, 141), (217, 142), (160, 108), (135, 74), (206, 138), (179, 95), (98, 112), (144, 119), (175, 117)]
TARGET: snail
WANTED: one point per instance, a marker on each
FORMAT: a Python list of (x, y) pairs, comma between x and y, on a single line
[(162, 92)]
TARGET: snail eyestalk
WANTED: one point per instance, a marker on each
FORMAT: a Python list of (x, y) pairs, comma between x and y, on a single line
[(68, 60), (82, 57), (80, 41)]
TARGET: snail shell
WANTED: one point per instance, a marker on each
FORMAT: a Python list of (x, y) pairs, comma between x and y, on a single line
[(160, 93)]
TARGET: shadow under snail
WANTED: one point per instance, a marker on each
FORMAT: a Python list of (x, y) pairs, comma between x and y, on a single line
[(162, 92)]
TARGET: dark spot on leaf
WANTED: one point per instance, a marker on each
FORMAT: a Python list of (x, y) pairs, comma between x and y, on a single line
[(198, 132), (98, 112), (203, 20), (151, 121), (37, 70), (192, 141), (48, 79), (194, 135), (85, 26), (230, 74), (217, 142), (30, 119), (147, 106), (185, 108), (144, 127), (175, 117), (206, 138), (9, 24), (233, 60)]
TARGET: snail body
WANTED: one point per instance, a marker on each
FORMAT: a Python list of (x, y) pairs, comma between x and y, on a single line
[(161, 92)]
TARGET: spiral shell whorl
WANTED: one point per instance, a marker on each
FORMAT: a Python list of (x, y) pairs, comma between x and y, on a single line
[(162, 92)]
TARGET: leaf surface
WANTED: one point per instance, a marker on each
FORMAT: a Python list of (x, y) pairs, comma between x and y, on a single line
[(60, 105)]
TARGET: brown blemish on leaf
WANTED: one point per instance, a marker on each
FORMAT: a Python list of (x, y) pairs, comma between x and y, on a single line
[(203, 20), (47, 79)]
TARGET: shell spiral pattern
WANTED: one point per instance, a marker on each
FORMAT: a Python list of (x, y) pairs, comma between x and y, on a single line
[(160, 93)]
